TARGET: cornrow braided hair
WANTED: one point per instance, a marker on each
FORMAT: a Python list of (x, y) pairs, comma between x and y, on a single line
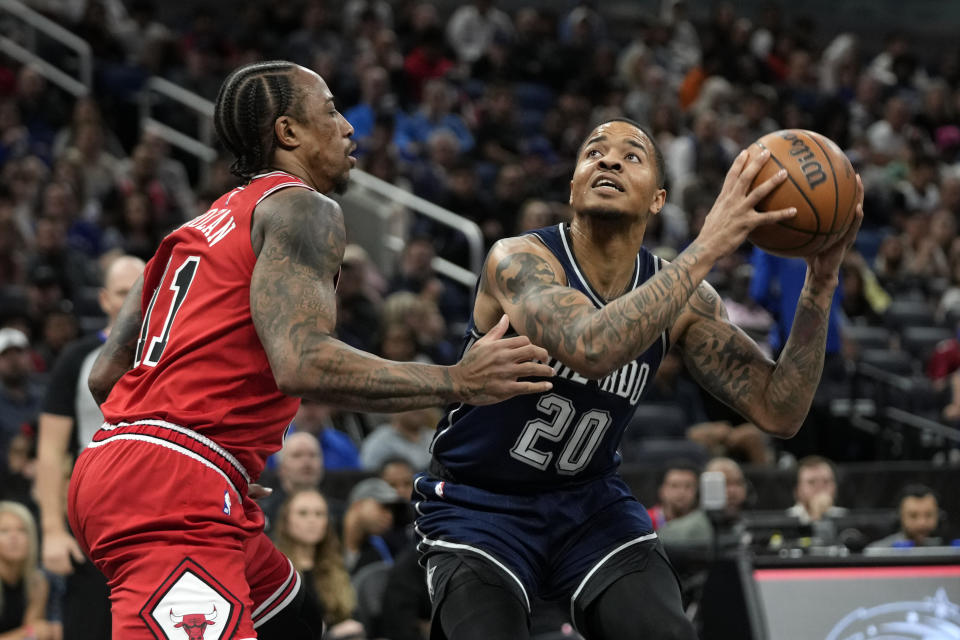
[(248, 104)]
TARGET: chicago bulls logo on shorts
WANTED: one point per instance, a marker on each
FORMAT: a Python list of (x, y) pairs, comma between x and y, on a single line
[(192, 605)]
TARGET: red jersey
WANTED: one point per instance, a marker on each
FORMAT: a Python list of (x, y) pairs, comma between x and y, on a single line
[(199, 363)]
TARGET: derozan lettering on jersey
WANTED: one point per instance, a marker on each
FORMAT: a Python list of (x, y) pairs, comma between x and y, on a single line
[(199, 362)]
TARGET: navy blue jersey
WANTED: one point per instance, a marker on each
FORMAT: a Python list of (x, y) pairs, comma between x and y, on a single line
[(568, 435)]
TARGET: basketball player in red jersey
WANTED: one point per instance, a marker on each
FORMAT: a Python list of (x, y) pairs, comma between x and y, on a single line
[(229, 327)]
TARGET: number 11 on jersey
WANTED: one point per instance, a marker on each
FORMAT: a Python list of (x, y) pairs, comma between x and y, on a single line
[(154, 342)]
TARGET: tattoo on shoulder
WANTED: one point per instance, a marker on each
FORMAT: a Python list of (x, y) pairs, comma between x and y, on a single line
[(307, 230), (520, 273)]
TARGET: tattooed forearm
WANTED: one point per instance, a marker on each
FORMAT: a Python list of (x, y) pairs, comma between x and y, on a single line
[(293, 304), (116, 356), (728, 364), (591, 341), (800, 365)]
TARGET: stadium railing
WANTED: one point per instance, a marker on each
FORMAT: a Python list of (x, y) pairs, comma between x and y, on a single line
[(366, 220), (19, 41)]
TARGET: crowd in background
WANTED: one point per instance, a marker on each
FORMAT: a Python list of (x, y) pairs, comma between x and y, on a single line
[(480, 109)]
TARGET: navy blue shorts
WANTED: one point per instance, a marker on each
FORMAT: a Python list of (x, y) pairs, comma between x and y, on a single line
[(548, 544)]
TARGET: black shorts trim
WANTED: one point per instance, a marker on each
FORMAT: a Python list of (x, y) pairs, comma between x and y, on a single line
[(630, 557)]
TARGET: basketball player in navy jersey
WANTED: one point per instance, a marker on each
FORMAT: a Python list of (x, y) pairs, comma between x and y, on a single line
[(522, 498)]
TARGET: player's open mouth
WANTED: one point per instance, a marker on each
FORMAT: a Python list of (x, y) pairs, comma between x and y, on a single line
[(605, 182)]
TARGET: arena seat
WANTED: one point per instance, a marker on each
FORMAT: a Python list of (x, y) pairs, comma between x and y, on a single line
[(909, 313), (891, 361), (867, 337), (657, 420), (921, 341)]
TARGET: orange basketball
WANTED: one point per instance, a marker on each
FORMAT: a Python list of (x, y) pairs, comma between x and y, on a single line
[(820, 183)]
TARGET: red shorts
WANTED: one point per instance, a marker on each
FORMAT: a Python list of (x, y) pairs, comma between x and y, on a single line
[(164, 513)]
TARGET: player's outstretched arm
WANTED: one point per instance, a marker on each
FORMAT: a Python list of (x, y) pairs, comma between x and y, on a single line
[(299, 237), (727, 363), (116, 356)]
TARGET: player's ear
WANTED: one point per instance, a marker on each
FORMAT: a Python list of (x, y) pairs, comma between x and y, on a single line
[(659, 199), (570, 200), (285, 131)]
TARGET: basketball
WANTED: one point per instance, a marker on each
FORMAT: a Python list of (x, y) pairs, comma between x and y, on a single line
[(820, 183)]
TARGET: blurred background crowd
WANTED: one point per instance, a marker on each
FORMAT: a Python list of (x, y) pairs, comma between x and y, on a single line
[(479, 107)]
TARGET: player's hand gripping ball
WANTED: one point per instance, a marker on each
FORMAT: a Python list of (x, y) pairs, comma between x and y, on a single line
[(820, 183)]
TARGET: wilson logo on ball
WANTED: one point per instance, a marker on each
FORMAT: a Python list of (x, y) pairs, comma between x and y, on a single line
[(812, 170)]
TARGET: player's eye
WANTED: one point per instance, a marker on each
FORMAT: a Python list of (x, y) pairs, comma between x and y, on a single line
[(593, 153), (632, 157)]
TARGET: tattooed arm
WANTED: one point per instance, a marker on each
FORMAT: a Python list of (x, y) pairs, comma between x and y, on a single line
[(299, 238), (116, 356), (527, 282), (728, 364)]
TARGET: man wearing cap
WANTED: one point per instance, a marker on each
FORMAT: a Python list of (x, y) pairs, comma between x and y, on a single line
[(369, 515), (19, 394)]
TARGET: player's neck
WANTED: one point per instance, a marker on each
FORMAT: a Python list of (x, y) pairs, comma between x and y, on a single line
[(288, 163), (607, 251)]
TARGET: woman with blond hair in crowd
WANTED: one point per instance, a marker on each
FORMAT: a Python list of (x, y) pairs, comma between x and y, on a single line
[(304, 533), (23, 587)]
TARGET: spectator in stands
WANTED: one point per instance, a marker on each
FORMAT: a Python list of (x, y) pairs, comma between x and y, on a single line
[(498, 133), (398, 473), (815, 491), (358, 298), (99, 165), (336, 431), (434, 113), (316, 33), (416, 274), (368, 517), (20, 394), (890, 137), (923, 257), (919, 190), (951, 412), (300, 467), (23, 586), (70, 268), (510, 191), (86, 110), (677, 517), (398, 341), (135, 229), (919, 518), (535, 214), (474, 27), (864, 300), (425, 61), (60, 326), (375, 98), (676, 492), (407, 436), (735, 483), (304, 532), (430, 175), (170, 172), (142, 174), (18, 468)]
